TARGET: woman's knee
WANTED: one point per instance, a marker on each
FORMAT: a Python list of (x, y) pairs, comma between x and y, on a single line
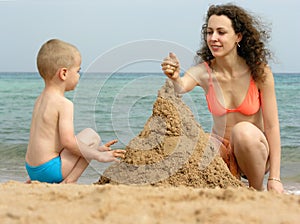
[(242, 133), (247, 138)]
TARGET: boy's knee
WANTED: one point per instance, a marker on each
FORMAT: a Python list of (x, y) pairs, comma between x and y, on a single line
[(89, 136), (90, 131)]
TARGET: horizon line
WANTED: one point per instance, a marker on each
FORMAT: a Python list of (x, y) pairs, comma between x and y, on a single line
[(134, 72)]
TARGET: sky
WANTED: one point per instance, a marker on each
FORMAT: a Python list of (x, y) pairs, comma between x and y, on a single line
[(131, 34)]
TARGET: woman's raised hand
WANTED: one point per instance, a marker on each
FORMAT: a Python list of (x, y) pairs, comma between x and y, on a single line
[(171, 66)]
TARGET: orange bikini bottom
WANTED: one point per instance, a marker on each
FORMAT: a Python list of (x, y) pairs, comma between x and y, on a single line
[(227, 154)]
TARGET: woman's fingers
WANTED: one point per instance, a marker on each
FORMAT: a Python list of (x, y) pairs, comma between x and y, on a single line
[(170, 64), (169, 67)]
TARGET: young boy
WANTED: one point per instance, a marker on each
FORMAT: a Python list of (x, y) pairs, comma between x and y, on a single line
[(54, 153)]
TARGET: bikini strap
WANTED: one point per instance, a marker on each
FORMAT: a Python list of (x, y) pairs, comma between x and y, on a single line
[(208, 71)]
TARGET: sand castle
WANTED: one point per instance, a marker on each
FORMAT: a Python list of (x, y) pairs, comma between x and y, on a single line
[(171, 150)]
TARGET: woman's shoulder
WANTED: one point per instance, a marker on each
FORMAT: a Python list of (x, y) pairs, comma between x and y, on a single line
[(268, 78), (201, 68), (199, 72)]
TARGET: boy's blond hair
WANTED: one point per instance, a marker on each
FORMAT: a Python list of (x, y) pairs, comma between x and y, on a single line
[(53, 55)]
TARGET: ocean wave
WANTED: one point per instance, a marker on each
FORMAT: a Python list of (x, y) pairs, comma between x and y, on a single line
[(11, 152), (290, 154)]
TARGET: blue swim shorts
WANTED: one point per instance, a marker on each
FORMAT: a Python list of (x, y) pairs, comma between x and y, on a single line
[(49, 172)]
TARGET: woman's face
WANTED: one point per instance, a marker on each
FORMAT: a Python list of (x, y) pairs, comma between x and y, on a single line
[(221, 38)]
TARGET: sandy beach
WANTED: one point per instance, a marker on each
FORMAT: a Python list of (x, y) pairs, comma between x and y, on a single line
[(172, 173), (46, 203)]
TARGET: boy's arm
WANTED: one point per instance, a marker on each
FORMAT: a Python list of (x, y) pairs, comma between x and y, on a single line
[(66, 128), (67, 136), (75, 146)]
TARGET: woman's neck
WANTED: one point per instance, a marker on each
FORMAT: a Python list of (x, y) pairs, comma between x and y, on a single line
[(231, 67)]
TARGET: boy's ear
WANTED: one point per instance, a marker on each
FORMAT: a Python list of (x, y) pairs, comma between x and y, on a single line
[(62, 73)]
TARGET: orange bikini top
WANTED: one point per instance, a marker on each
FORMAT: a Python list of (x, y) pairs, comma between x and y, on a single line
[(249, 106)]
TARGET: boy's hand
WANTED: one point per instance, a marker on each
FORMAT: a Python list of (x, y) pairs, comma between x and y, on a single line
[(119, 154), (106, 146), (111, 156)]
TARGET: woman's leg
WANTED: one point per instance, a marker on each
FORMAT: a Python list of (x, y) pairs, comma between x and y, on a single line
[(251, 150), (72, 165)]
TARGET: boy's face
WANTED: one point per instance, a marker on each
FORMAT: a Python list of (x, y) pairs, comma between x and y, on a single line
[(73, 73)]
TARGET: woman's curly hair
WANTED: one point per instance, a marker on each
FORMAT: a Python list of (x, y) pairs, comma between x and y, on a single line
[(252, 46)]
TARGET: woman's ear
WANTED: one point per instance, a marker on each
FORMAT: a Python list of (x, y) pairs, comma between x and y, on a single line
[(240, 37), (62, 73)]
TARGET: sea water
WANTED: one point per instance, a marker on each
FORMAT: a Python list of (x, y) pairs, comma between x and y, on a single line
[(117, 106)]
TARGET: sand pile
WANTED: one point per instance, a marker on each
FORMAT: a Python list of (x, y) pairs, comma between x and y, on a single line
[(172, 149)]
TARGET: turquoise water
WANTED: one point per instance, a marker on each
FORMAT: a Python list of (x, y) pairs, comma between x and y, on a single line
[(118, 105)]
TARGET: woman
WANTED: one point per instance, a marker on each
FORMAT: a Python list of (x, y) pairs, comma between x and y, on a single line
[(240, 93)]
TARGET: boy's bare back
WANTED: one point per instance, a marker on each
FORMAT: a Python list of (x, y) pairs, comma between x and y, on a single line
[(50, 110)]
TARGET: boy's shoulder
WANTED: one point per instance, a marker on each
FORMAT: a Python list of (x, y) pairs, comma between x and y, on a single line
[(57, 101)]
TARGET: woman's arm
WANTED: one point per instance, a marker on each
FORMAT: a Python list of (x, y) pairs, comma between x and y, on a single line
[(272, 129), (171, 68)]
